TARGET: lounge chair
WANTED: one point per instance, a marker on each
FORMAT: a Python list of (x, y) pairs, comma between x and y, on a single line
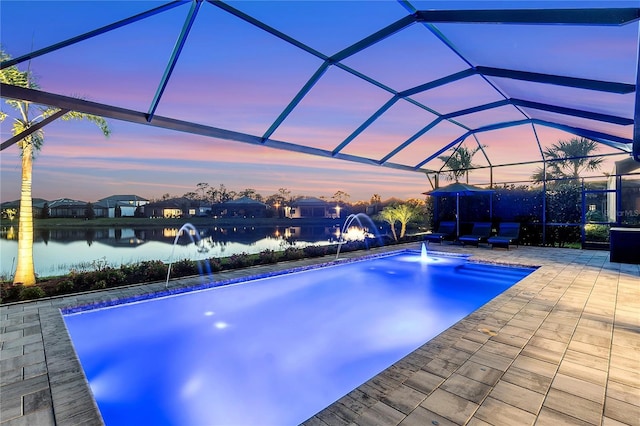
[(508, 233), (446, 232), (479, 234)]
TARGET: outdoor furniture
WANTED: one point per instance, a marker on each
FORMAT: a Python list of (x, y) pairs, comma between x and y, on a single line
[(508, 233), (479, 234), (624, 245), (446, 232), (460, 190)]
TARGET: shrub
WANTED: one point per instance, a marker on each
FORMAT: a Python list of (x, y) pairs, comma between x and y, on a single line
[(596, 232), (112, 277), (240, 260), (184, 267), (267, 256), (99, 285), (352, 246), (314, 251), (31, 292), (64, 287), (11, 292), (116, 277), (292, 253), (81, 280), (134, 273), (214, 264), (154, 270)]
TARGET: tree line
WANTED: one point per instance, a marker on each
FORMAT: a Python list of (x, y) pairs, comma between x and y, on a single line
[(221, 194)]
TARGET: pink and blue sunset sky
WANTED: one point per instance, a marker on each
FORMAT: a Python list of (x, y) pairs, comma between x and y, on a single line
[(234, 76)]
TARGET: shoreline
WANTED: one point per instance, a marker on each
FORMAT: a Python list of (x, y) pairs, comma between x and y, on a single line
[(144, 222)]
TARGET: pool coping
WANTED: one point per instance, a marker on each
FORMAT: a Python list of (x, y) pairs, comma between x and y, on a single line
[(395, 395)]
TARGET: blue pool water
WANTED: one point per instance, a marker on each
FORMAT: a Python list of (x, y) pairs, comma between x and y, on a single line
[(272, 351)]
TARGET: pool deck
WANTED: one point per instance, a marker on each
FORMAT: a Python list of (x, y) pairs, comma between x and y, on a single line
[(562, 346)]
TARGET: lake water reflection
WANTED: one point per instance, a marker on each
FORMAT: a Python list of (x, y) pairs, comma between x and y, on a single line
[(57, 251)]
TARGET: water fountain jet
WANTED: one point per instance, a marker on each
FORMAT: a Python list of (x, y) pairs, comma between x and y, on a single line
[(192, 230), (348, 221)]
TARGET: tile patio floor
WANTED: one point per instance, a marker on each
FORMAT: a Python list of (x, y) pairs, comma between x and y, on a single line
[(561, 347)]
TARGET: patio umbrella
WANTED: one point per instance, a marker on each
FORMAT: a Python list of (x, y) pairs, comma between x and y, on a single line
[(459, 189)]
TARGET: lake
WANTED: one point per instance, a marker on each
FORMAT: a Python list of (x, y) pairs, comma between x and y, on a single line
[(58, 251)]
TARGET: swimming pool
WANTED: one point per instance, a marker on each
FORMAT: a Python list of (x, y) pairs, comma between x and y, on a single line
[(274, 350)]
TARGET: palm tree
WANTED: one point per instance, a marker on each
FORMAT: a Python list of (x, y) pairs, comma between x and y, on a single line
[(459, 162), (389, 216), (29, 116), (404, 213), (569, 159)]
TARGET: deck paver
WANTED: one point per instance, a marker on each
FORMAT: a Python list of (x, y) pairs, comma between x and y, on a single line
[(421, 416), (450, 406), (578, 387), (560, 347), (499, 413), (575, 406), (517, 396), (622, 411), (549, 417), (467, 388)]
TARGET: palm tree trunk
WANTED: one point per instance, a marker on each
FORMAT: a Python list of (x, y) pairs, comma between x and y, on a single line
[(393, 231), (25, 272)]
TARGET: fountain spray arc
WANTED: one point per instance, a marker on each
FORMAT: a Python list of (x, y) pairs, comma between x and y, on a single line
[(192, 231), (349, 221)]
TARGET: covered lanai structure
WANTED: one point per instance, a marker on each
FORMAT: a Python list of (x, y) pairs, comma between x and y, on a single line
[(389, 84), (409, 80)]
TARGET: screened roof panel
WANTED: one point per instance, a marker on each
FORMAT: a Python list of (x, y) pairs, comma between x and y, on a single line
[(217, 84), (625, 132), (619, 105), (502, 114), (396, 82), (334, 108), (415, 50), (458, 95), (550, 49), (400, 122), (326, 26), (516, 5), (31, 25), (130, 59), (434, 140)]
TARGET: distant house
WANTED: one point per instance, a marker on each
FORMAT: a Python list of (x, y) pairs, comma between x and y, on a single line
[(66, 207), (10, 208), (127, 203), (242, 207), (311, 207), (177, 207), (100, 210)]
